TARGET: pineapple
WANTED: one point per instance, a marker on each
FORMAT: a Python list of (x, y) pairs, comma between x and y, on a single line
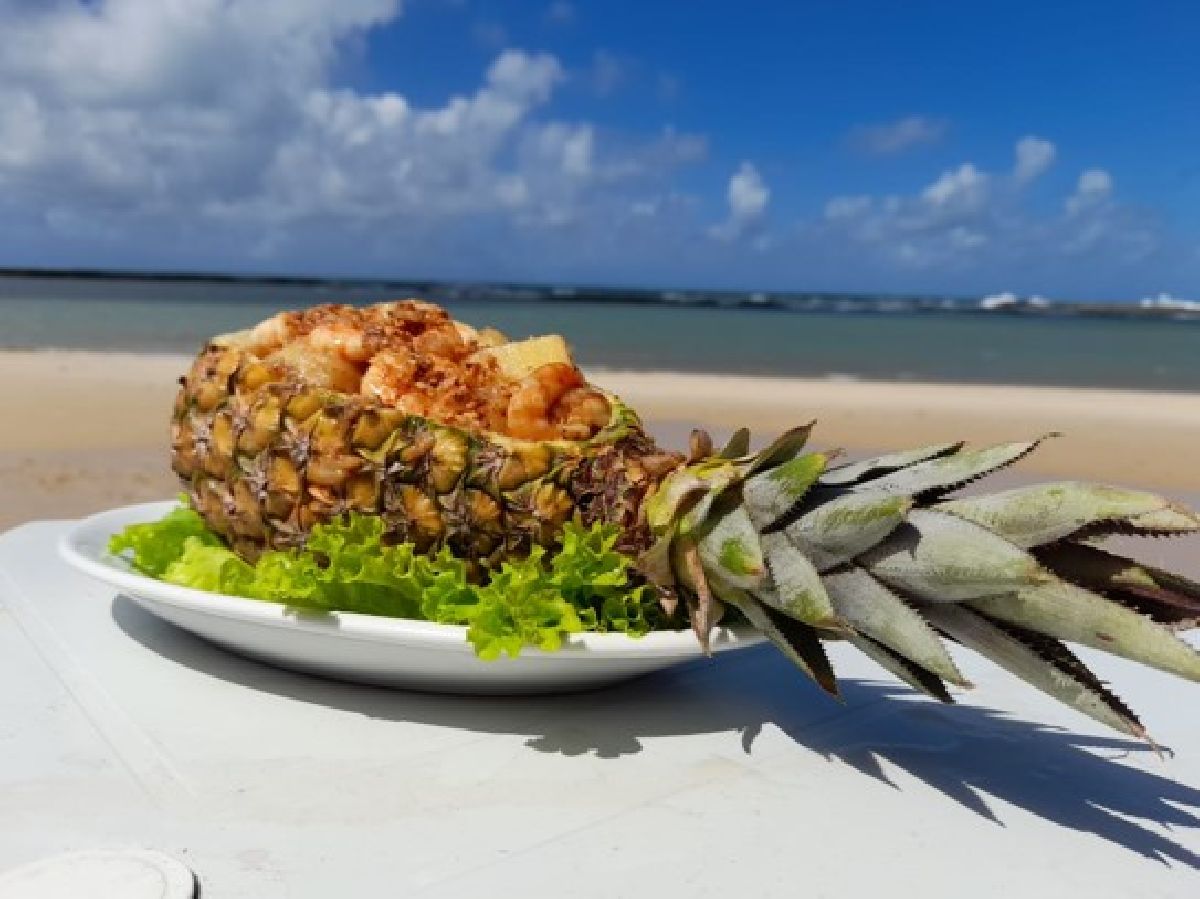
[(462, 439), (518, 360)]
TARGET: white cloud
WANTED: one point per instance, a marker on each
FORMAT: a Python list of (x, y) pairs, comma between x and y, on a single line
[(179, 50), (903, 134), (748, 196), (570, 148), (1094, 187), (964, 188), (1097, 223), (155, 122), (843, 208), (1033, 156), (970, 219)]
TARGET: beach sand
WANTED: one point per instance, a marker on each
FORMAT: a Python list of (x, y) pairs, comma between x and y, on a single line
[(87, 431)]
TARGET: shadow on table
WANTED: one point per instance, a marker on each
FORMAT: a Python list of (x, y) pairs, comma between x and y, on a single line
[(964, 752)]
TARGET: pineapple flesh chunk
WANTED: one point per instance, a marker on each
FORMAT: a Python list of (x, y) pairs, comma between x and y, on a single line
[(517, 360)]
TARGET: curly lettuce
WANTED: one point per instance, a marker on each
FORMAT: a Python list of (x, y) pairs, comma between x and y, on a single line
[(586, 584)]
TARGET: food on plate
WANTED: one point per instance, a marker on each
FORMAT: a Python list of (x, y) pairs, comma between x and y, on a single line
[(350, 457)]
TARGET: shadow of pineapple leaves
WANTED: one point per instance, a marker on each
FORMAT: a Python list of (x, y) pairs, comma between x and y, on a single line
[(965, 752)]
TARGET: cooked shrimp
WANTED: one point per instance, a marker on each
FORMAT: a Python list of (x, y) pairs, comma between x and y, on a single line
[(390, 376), (271, 334), (528, 415), (582, 412), (412, 404), (344, 339), (411, 311), (446, 342)]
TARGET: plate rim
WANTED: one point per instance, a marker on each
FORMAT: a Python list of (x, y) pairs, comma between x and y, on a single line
[(77, 547)]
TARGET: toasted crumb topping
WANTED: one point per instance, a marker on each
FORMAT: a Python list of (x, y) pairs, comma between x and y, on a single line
[(412, 356)]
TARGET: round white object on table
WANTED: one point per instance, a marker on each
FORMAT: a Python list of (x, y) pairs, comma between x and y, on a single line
[(107, 873)]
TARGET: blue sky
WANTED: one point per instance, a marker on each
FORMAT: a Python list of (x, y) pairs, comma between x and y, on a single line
[(907, 147)]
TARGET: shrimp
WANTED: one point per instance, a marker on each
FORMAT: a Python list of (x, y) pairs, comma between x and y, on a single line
[(271, 334), (346, 340), (582, 412), (484, 337), (446, 342), (529, 407), (390, 376)]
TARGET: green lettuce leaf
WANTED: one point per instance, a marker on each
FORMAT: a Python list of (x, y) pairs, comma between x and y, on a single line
[(156, 545), (584, 585)]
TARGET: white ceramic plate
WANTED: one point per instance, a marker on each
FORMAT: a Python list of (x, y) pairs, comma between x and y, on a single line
[(393, 652)]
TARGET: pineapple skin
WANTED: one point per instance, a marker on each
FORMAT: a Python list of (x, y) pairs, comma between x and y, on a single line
[(263, 462)]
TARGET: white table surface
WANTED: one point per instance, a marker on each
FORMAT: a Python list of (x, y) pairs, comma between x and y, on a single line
[(720, 778)]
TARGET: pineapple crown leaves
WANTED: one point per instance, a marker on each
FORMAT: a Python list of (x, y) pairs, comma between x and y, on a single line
[(874, 553)]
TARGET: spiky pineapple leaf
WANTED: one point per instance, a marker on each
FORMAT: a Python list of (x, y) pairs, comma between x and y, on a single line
[(876, 612), (738, 445), (1069, 612), (700, 444), (676, 495), (834, 531), (704, 609), (730, 549), (865, 469), (1047, 666), (786, 446), (798, 642), (1062, 658), (1043, 513), (1171, 521), (655, 563), (947, 473), (1166, 597), (771, 494), (798, 590), (942, 558), (908, 671), (717, 476)]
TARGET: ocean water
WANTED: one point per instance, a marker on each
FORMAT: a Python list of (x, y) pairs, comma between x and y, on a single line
[(911, 342)]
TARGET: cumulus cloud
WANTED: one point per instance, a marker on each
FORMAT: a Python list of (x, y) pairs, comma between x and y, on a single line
[(889, 138), (1099, 225), (1033, 156), (1092, 190), (154, 121), (962, 189), (968, 218), (748, 196)]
